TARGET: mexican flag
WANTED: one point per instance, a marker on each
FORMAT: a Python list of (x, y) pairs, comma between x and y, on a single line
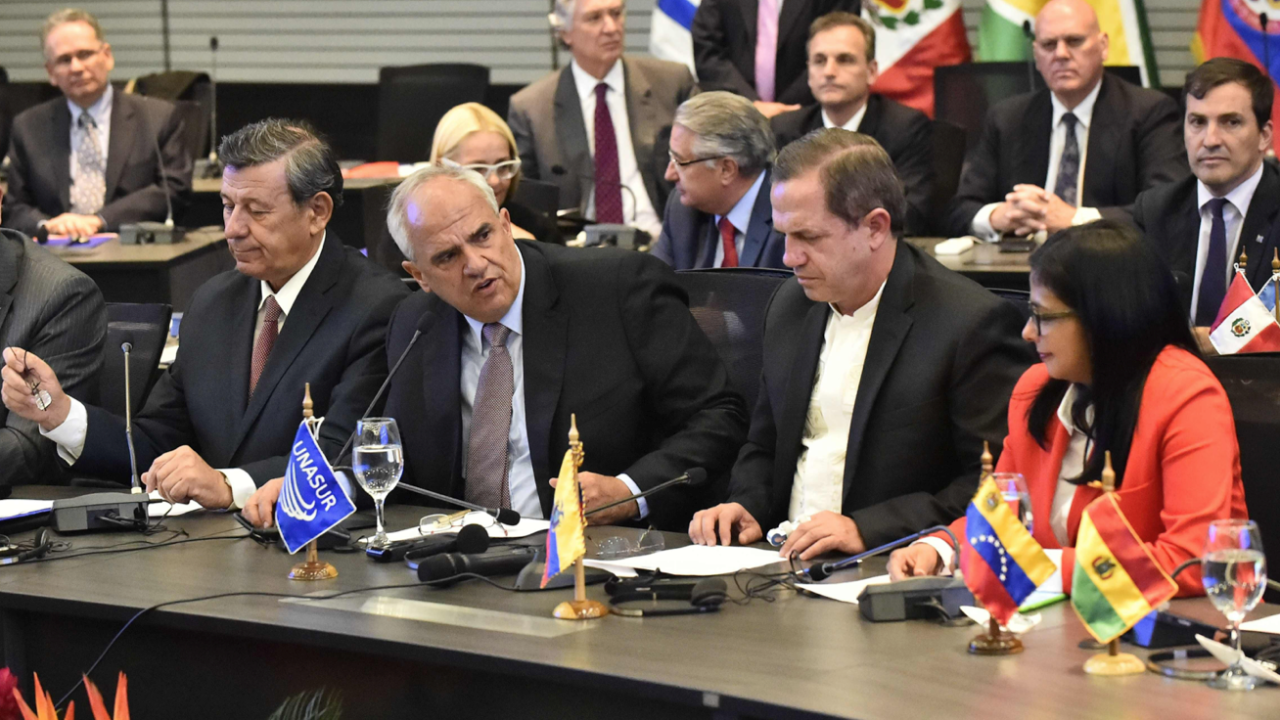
[(912, 38), (1000, 36)]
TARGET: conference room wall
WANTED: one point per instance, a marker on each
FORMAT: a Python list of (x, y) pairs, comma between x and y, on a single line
[(346, 41)]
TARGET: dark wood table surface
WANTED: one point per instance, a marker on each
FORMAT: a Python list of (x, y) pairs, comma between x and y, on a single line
[(475, 651), (988, 267)]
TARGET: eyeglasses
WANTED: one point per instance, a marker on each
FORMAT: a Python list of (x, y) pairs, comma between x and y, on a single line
[(439, 522), (616, 547), (686, 163), (1041, 318), (503, 171), (84, 56)]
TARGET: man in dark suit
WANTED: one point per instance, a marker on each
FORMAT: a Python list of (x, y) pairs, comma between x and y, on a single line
[(56, 312), (1080, 150), (608, 159), (1204, 224), (755, 49), (299, 308), (86, 162), (842, 69), (719, 216), (883, 371)]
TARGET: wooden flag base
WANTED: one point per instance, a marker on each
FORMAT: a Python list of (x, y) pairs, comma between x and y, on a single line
[(313, 568), (995, 641), (580, 608), (1114, 663)]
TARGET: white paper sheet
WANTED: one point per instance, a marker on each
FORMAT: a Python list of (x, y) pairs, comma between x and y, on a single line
[(160, 508), (13, 509), (524, 528), (701, 560), (846, 592), (1269, 624)]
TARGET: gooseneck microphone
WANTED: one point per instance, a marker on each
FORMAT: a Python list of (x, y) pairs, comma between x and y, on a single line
[(213, 170), (1031, 59), (506, 516), (695, 477), (126, 348), (822, 571)]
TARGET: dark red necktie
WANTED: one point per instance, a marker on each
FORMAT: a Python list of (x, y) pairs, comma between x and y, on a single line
[(727, 236), (266, 341), (608, 180)]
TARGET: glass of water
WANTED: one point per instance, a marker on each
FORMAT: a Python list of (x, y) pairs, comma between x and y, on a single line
[(377, 462), (1234, 573), (1013, 489)]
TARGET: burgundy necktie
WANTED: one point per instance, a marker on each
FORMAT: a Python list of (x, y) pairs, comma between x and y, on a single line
[(608, 180), (728, 235), (266, 341)]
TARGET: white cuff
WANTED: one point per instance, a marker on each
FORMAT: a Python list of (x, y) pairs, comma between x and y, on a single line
[(981, 225), (945, 551), (242, 486), (1085, 215), (70, 435), (635, 490)]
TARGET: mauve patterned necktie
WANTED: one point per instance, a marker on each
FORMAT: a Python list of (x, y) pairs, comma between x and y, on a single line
[(89, 186), (266, 341), (608, 178), (488, 446)]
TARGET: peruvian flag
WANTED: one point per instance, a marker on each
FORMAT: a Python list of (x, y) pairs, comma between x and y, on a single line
[(1244, 324), (912, 38)]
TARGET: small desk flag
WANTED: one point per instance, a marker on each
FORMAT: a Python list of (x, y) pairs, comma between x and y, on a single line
[(1002, 563), (1244, 324), (1116, 582), (565, 540), (311, 500)]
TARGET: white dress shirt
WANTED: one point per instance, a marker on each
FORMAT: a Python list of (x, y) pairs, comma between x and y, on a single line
[(819, 478), (637, 207), (854, 123), (70, 435), (1233, 214), (740, 219), (981, 225), (475, 350)]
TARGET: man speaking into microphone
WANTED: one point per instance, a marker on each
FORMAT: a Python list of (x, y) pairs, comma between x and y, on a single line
[(528, 334)]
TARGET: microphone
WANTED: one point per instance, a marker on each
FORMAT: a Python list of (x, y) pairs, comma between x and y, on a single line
[(695, 477), (506, 516), (560, 170), (152, 232), (42, 235), (1031, 59), (214, 167), (443, 570), (126, 348), (425, 323), (470, 539), (818, 573)]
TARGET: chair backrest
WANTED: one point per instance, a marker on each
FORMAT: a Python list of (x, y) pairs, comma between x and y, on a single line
[(949, 145), (729, 305), (1252, 383), (146, 327), (538, 196), (192, 94), (413, 98), (1020, 299)]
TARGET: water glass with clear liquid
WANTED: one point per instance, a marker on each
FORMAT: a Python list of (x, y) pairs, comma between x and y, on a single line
[(1013, 489), (1234, 572), (377, 462)]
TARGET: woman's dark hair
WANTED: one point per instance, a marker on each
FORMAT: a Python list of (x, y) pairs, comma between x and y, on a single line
[(1124, 296)]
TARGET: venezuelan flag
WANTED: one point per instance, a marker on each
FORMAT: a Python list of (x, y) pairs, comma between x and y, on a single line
[(1116, 582), (565, 541), (1002, 563)]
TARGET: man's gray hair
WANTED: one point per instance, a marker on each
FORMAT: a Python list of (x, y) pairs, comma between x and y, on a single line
[(397, 211), (561, 15), (728, 125), (311, 168), (65, 16)]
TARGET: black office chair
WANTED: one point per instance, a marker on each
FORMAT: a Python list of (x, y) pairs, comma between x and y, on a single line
[(413, 98), (540, 196), (192, 94), (146, 326), (949, 145), (1252, 383), (1020, 299)]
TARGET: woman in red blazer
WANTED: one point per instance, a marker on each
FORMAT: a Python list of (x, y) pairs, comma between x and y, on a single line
[(1120, 371)]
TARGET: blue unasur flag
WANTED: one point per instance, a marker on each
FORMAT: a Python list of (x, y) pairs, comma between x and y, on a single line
[(1268, 294), (311, 500), (669, 35)]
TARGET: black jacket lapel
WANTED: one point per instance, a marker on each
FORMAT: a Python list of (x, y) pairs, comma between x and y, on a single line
[(545, 331), (795, 408), (759, 227), (124, 132), (1100, 158), (1033, 162), (60, 157)]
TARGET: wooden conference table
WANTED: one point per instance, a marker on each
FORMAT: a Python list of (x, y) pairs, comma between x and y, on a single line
[(475, 651)]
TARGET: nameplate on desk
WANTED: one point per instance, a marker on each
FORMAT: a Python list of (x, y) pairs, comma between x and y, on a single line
[(446, 614)]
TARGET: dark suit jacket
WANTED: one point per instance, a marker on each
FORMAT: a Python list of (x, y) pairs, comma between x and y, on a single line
[(54, 311), (903, 132), (943, 359), (333, 339), (608, 336), (546, 119), (689, 237), (1169, 218), (40, 163), (724, 46), (1135, 143)]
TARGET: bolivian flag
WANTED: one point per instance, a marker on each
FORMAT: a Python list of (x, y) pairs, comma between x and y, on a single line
[(565, 541), (1002, 563), (1116, 582)]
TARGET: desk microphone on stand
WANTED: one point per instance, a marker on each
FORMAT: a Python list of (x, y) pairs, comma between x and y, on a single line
[(143, 233), (214, 167), (1031, 58), (126, 348)]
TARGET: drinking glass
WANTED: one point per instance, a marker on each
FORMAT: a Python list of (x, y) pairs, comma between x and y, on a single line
[(1234, 573), (1013, 488), (377, 462)]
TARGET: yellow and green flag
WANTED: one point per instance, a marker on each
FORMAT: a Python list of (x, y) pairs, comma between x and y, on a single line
[(1116, 582), (565, 539)]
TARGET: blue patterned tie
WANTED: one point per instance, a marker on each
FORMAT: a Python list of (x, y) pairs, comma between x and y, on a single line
[(1213, 282), (1069, 166)]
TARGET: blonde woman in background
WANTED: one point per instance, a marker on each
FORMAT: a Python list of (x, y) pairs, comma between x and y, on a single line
[(475, 137)]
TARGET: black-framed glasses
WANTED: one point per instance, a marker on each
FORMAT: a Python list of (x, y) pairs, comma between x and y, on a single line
[(1042, 317), (686, 163)]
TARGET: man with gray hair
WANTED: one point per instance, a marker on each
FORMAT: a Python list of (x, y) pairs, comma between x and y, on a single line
[(299, 308), (521, 336), (719, 216), (86, 162)]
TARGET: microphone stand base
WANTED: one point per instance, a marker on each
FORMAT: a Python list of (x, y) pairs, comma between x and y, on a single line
[(580, 610)]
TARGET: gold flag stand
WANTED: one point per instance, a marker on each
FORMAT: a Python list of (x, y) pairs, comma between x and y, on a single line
[(994, 641), (579, 608), (1113, 662), (1275, 278), (312, 568)]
